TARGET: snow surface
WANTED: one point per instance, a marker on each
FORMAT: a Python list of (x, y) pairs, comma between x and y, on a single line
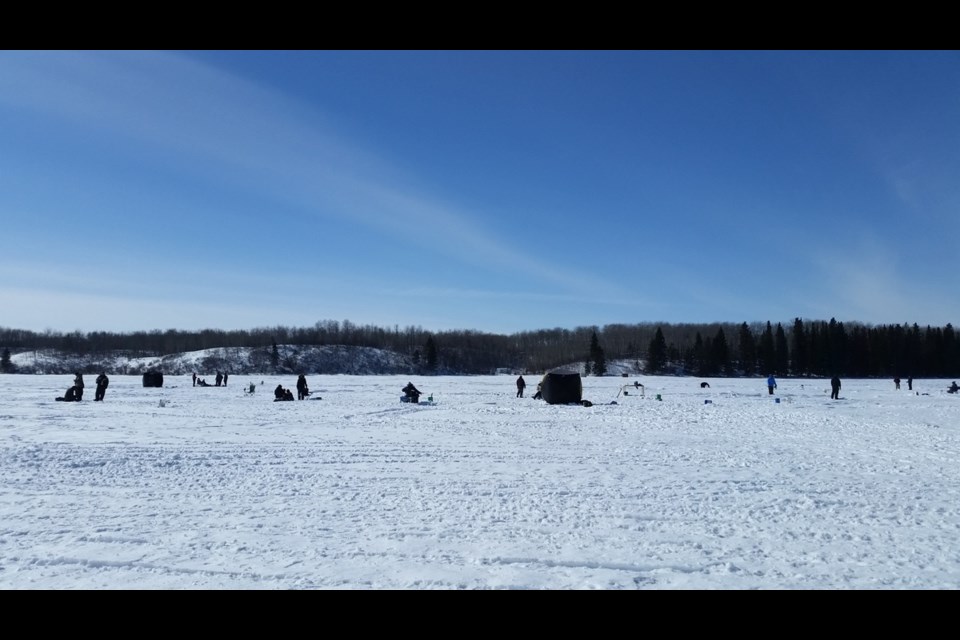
[(213, 488)]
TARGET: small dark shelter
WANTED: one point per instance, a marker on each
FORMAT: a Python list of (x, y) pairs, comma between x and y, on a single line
[(562, 388), (153, 379)]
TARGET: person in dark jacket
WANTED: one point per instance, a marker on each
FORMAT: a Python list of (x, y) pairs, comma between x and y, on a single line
[(69, 396), (218, 380), (521, 385), (411, 393), (102, 382), (278, 392), (78, 385), (953, 388), (835, 388), (302, 390)]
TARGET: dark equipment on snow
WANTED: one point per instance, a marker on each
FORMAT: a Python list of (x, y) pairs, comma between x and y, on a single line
[(153, 379), (562, 388)]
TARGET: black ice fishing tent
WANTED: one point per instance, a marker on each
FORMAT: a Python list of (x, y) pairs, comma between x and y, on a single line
[(153, 379), (562, 388)]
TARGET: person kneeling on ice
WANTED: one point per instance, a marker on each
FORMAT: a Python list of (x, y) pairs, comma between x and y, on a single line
[(410, 393), (953, 388), (70, 396)]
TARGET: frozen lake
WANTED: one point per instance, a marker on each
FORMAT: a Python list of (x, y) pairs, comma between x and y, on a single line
[(220, 489)]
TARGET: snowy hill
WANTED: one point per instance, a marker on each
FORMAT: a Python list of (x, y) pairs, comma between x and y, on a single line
[(308, 359)]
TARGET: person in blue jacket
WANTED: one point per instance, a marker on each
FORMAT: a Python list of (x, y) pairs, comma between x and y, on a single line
[(771, 384)]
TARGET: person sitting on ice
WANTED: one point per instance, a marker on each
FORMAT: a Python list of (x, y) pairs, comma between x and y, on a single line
[(411, 393), (70, 396), (278, 392), (953, 388)]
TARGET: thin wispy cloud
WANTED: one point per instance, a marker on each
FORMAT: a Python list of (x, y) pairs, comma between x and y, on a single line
[(243, 133)]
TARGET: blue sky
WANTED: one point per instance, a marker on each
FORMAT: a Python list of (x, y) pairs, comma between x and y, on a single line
[(496, 191)]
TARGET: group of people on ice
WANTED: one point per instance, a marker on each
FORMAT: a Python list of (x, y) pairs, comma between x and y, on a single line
[(219, 380), (75, 392), (285, 394)]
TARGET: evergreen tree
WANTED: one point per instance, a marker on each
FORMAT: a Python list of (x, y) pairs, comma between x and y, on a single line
[(837, 349), (781, 355), (748, 351), (720, 354), (798, 364), (275, 356), (6, 366), (766, 353), (597, 356), (913, 349), (587, 366), (951, 351), (697, 355), (657, 353)]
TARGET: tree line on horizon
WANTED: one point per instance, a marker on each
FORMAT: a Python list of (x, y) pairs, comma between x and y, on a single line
[(804, 348)]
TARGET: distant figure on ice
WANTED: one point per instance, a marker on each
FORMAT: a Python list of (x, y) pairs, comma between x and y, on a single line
[(302, 390), (953, 388), (102, 382), (194, 378), (910, 383), (771, 384), (253, 388), (278, 392), (225, 376), (521, 385), (835, 388), (896, 382), (704, 385), (69, 396), (539, 394), (78, 385), (410, 393), (202, 383), (219, 379)]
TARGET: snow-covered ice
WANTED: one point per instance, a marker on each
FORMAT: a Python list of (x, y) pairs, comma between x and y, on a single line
[(219, 489)]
